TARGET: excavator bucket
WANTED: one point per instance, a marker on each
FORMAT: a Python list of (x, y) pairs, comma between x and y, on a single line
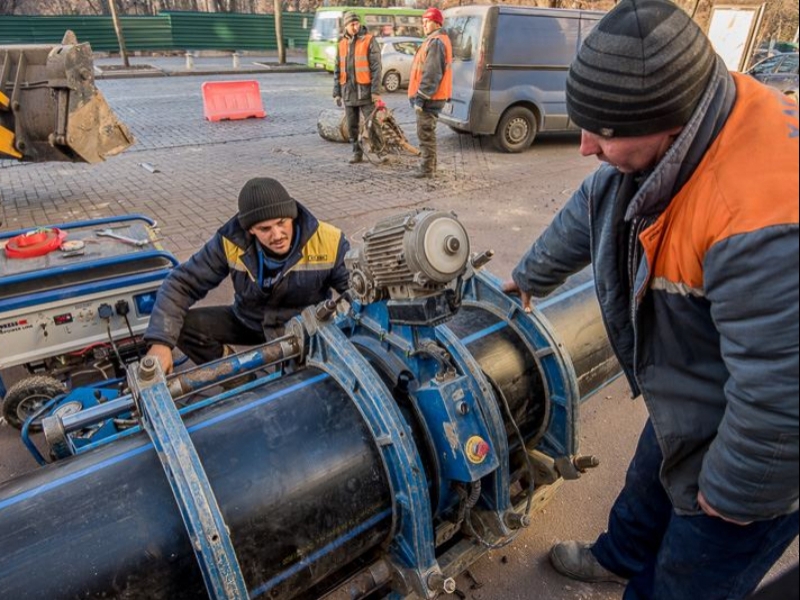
[(50, 109)]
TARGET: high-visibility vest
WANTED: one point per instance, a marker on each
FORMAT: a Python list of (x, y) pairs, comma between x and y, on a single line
[(445, 89), (360, 60)]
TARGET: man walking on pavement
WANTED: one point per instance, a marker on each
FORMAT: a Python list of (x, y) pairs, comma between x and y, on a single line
[(356, 77), (280, 259), (691, 226), (430, 86)]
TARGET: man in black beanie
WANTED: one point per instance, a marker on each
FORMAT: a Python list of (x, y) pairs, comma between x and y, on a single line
[(280, 259), (691, 226), (356, 77)]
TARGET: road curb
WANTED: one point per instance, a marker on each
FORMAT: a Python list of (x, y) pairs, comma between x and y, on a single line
[(156, 72)]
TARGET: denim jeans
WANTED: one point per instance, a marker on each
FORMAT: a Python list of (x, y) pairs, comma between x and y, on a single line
[(667, 556)]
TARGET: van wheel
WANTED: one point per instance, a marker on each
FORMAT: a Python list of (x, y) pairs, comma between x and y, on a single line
[(391, 81), (516, 130)]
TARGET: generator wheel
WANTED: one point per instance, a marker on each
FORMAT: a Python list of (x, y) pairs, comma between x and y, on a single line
[(27, 396)]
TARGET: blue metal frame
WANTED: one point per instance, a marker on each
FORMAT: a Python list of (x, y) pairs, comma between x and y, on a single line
[(561, 386), (79, 224), (412, 546), (199, 509), (496, 496), (67, 292)]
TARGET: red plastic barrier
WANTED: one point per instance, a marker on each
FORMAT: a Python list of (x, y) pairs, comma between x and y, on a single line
[(232, 100)]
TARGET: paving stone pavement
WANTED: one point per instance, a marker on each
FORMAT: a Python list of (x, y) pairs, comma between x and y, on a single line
[(503, 200), (201, 165)]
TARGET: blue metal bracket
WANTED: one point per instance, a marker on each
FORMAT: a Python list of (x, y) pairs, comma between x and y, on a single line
[(201, 515), (495, 495), (412, 546), (561, 385)]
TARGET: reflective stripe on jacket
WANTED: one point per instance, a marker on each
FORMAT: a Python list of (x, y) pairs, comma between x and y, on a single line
[(445, 85), (360, 59)]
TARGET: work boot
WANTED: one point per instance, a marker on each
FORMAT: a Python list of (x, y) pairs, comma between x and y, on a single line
[(575, 560), (356, 158), (422, 173)]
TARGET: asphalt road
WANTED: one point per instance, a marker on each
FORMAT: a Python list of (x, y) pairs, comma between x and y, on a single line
[(503, 200)]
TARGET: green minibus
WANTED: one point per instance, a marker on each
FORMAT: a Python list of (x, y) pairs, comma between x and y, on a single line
[(327, 29)]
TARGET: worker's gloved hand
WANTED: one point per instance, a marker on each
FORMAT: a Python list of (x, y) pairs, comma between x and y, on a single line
[(376, 99), (418, 109), (163, 354), (338, 100), (510, 287)]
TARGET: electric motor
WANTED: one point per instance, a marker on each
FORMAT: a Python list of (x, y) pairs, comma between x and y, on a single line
[(414, 255)]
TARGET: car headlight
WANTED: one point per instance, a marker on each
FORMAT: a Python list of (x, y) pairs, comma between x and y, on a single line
[(330, 51)]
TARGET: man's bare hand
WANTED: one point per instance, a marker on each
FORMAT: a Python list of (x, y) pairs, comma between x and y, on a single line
[(164, 356), (709, 510), (510, 287)]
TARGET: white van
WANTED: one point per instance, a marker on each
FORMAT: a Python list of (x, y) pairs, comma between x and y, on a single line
[(510, 69)]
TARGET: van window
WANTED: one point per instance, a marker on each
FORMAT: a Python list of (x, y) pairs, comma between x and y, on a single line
[(326, 26), (556, 39), (379, 24), (465, 36), (410, 26)]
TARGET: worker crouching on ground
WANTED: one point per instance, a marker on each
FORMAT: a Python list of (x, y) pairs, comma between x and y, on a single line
[(430, 86), (280, 259), (692, 229), (356, 77)]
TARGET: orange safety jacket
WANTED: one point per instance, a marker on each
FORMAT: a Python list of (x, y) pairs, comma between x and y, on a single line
[(360, 60), (445, 89)]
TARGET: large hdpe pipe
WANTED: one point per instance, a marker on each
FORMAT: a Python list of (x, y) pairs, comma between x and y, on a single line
[(294, 468)]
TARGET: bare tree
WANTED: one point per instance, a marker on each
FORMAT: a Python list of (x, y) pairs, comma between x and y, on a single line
[(279, 32), (112, 5)]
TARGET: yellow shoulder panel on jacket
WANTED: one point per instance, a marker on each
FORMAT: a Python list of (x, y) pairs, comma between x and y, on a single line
[(320, 252), (234, 255)]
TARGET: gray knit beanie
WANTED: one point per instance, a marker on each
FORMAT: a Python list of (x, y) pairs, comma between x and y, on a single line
[(349, 17), (262, 199), (642, 70)]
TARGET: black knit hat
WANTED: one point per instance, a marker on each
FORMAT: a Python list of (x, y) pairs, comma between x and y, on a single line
[(262, 199), (642, 70)]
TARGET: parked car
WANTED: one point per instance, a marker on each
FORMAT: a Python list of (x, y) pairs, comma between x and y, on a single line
[(780, 72), (510, 67), (397, 54), (771, 48)]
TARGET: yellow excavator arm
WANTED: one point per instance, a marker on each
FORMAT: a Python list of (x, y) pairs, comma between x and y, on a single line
[(50, 108)]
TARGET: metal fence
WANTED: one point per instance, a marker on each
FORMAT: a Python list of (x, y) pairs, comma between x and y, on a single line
[(166, 31)]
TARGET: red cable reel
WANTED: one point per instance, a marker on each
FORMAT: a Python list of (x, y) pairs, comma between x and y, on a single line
[(35, 243)]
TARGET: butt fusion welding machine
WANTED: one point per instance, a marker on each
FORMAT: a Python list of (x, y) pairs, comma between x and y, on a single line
[(395, 435)]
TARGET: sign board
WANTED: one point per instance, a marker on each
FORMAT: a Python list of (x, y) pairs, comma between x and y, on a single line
[(732, 32)]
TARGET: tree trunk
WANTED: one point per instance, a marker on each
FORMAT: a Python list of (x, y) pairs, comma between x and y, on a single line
[(279, 32), (123, 51)]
